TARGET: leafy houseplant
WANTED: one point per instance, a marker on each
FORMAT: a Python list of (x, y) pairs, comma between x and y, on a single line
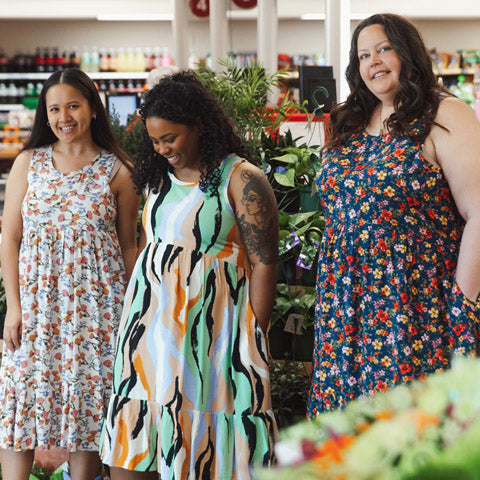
[(129, 136), (289, 383), (243, 93), (299, 239), (292, 173), (292, 322)]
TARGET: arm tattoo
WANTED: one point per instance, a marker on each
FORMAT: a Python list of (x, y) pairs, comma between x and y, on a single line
[(259, 227)]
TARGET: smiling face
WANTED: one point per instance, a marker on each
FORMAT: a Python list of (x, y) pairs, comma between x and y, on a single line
[(69, 113), (179, 144), (380, 65)]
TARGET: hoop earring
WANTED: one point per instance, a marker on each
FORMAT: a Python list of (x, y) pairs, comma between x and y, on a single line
[(48, 123), (94, 117)]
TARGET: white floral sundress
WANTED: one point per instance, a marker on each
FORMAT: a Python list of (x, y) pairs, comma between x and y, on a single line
[(54, 389)]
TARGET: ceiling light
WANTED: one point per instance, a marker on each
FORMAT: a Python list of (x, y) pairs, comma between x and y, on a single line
[(132, 17)]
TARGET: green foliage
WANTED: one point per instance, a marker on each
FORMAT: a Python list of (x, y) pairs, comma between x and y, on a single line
[(243, 93), (290, 300), (293, 168), (289, 384), (41, 473), (129, 137)]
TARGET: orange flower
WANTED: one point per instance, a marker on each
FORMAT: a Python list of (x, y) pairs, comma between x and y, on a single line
[(332, 450)]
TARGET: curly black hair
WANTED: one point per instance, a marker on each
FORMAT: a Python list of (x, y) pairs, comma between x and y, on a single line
[(183, 98), (418, 96)]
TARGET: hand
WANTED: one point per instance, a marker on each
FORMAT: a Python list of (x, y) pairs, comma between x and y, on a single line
[(12, 330)]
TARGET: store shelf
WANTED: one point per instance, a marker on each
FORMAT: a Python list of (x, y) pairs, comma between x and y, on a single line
[(93, 75), (4, 107)]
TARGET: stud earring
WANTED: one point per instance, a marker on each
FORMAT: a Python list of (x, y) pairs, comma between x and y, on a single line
[(94, 117)]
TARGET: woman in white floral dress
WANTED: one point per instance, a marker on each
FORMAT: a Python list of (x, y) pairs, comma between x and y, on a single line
[(68, 246)]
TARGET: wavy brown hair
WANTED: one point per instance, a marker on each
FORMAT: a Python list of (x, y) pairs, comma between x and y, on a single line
[(417, 97), (183, 98), (102, 133)]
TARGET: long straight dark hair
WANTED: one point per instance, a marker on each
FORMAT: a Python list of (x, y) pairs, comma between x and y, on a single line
[(418, 96), (102, 133)]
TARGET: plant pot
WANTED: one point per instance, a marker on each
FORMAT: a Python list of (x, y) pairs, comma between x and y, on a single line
[(303, 346), (309, 277), (309, 201), (279, 342)]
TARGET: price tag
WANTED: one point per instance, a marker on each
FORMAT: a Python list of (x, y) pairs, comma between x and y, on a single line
[(294, 323)]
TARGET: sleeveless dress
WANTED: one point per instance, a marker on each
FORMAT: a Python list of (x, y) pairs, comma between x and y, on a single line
[(191, 380), (388, 308), (54, 389)]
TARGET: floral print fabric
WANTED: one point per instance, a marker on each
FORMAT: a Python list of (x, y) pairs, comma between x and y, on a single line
[(388, 308), (54, 388)]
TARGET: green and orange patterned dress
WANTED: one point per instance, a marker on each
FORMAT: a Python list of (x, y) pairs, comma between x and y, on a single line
[(388, 307), (191, 380)]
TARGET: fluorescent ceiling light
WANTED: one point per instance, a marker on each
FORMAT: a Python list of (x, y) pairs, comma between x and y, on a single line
[(312, 16), (132, 17)]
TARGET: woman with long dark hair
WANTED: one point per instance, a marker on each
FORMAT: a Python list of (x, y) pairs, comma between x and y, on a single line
[(68, 248), (191, 387), (399, 270)]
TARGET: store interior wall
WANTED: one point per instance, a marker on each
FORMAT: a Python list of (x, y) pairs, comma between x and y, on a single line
[(295, 36)]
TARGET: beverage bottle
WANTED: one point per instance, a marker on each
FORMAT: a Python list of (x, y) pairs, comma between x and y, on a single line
[(112, 61), (21, 90), (38, 88), (95, 60), (104, 62), (59, 60), (19, 62), (121, 60), (85, 60), (29, 66), (129, 60), (3, 62), (3, 92), (39, 60), (158, 57), (50, 61), (12, 93), (149, 60), (75, 60), (166, 59), (30, 90), (139, 61)]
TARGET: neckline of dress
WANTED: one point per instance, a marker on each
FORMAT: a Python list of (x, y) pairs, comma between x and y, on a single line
[(176, 180), (73, 172)]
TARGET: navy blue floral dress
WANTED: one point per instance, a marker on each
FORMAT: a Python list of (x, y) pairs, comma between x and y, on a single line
[(388, 307)]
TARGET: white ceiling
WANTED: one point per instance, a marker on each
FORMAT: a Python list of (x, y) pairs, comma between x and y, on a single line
[(90, 9)]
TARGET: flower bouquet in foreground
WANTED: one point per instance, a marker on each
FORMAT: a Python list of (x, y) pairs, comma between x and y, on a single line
[(429, 429)]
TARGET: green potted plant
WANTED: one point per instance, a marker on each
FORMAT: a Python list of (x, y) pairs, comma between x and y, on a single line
[(289, 385), (243, 93), (293, 172), (292, 323), (300, 235)]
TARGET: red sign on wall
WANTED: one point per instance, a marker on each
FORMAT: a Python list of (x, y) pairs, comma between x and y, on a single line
[(200, 8), (245, 3)]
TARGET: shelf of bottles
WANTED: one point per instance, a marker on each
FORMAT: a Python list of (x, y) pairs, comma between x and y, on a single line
[(114, 70)]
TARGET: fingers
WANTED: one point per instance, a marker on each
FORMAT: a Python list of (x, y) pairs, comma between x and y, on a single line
[(11, 337)]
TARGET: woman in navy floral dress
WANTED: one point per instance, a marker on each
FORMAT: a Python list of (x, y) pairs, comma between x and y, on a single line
[(399, 274)]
